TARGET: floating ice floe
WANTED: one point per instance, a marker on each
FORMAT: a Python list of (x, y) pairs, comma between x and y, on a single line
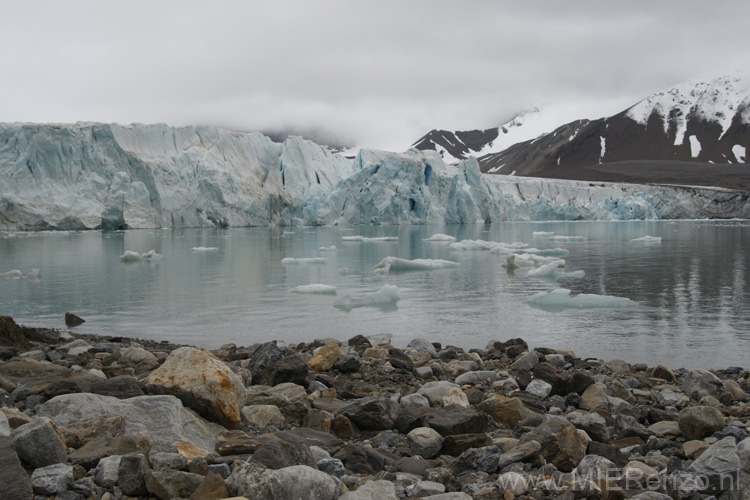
[(561, 298), (15, 274), (441, 237), (384, 298), (307, 260), (492, 246), (396, 264), (542, 233), (332, 248), (204, 249), (648, 239), (559, 237), (130, 257), (364, 239), (315, 288), (551, 270), (514, 261)]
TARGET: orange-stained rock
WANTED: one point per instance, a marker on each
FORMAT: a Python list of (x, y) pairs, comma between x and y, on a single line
[(324, 358), (203, 382)]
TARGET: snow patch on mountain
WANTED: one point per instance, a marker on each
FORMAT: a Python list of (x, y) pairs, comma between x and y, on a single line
[(710, 97)]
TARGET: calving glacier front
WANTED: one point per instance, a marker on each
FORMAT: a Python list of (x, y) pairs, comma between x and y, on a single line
[(87, 176)]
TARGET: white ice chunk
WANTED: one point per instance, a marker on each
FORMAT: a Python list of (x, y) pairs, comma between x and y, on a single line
[(472, 245), (332, 248), (542, 233), (397, 264), (365, 239), (204, 249), (130, 257), (648, 239), (562, 299), (551, 270), (441, 237), (14, 274), (695, 146), (514, 261), (739, 153), (288, 233), (385, 298), (559, 237), (307, 260), (315, 288), (548, 252)]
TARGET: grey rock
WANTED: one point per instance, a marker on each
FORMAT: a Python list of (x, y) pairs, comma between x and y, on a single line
[(719, 465), (292, 369), (15, 483), (131, 474), (4, 425), (422, 489), (476, 377), (263, 357), (371, 413), (743, 451), (519, 453), (372, 490), (525, 363), (539, 388), (424, 372), (683, 484), (592, 423), (483, 459), (425, 442), (168, 484), (361, 459), (39, 443), (298, 482), (700, 383), (107, 471), (348, 362), (668, 397), (415, 400), (513, 481), (698, 422), (730, 430), (332, 466), (163, 460), (441, 391), (93, 451), (290, 398), (596, 468), (423, 345), (280, 454), (162, 418), (222, 470), (52, 479), (386, 439)]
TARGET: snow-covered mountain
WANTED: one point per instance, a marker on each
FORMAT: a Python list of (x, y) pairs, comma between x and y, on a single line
[(701, 121), (87, 176)]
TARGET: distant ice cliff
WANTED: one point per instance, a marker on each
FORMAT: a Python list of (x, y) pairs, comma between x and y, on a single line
[(87, 176)]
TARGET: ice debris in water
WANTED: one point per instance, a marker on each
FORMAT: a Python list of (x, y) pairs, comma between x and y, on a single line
[(492, 246), (514, 261), (384, 298), (130, 257), (561, 298), (559, 237), (397, 264), (204, 249), (332, 248), (307, 260), (542, 233), (16, 274), (363, 239), (648, 239), (441, 237), (551, 270), (315, 288)]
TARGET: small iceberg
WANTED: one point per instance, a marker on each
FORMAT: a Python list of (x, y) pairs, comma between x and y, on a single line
[(332, 248), (385, 298), (648, 239), (204, 249), (401, 265), (15, 274), (559, 237), (441, 237), (470, 245), (538, 234), (315, 288), (289, 261), (552, 271), (131, 257), (561, 298), (364, 239), (514, 261)]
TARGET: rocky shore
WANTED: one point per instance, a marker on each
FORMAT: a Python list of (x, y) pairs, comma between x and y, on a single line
[(110, 418)]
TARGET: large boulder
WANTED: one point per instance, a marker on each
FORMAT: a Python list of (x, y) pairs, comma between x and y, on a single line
[(700, 383), (299, 482), (561, 444), (202, 382), (425, 442), (370, 413), (290, 398), (162, 418), (719, 466), (292, 369), (52, 479), (15, 482), (324, 358), (444, 393), (507, 411), (263, 357), (698, 422)]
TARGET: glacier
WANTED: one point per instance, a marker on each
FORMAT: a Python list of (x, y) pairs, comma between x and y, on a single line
[(109, 176)]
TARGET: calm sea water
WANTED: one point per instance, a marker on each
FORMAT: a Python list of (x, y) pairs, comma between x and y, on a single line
[(692, 288)]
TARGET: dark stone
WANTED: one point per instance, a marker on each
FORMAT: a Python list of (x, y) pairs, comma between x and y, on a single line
[(483, 459), (447, 354), (515, 350), (131, 474), (280, 454), (7, 352), (659, 415), (15, 482), (730, 430), (558, 379), (459, 443), (21, 337), (608, 451), (222, 470), (360, 459), (69, 495), (288, 369), (348, 362), (400, 360), (369, 413), (122, 387), (579, 382), (474, 396), (332, 467), (71, 320), (60, 387), (6, 400), (263, 357), (386, 439), (409, 419), (359, 343), (455, 419), (417, 466), (562, 446)]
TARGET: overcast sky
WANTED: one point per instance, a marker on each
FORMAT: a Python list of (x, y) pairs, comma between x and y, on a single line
[(376, 73)]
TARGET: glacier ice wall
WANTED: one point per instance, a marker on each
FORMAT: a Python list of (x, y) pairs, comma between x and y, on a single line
[(87, 176)]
